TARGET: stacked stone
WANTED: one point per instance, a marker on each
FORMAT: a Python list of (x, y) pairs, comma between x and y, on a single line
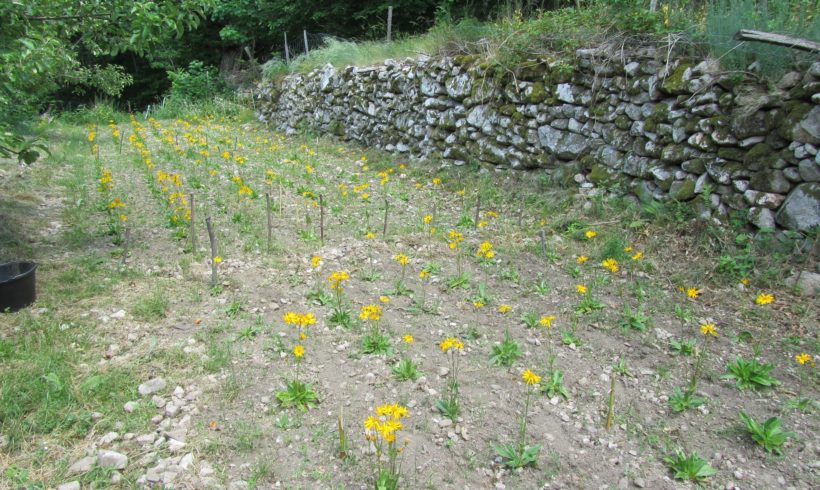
[(664, 130)]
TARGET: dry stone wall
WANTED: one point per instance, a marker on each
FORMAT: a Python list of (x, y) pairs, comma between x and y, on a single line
[(661, 130)]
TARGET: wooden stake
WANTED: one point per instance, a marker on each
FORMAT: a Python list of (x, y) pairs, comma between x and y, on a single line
[(322, 219), (125, 245), (212, 238), (521, 212), (287, 51), (193, 227), (610, 415), (477, 210), (267, 212), (280, 199), (389, 22), (384, 228), (307, 49)]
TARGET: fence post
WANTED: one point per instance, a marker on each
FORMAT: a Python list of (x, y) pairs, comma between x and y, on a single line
[(307, 49), (389, 22), (287, 51)]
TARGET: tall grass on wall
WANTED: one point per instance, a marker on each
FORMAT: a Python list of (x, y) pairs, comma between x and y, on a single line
[(800, 18)]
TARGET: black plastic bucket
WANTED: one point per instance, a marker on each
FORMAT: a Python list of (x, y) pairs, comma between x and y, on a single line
[(17, 285)]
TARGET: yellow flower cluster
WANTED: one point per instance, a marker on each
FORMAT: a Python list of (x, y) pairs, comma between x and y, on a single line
[(804, 358), (299, 319), (107, 180), (454, 238), (485, 250), (581, 259), (401, 259), (451, 343), (590, 234), (611, 265), (504, 308), (315, 261), (385, 423), (546, 321), (337, 278), (371, 312)]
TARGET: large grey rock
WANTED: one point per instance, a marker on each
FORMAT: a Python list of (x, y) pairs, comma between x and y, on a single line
[(81, 466), (151, 386), (801, 210), (328, 72), (562, 144), (807, 129), (74, 485), (430, 87), (112, 459), (762, 218), (459, 87), (563, 92), (806, 282)]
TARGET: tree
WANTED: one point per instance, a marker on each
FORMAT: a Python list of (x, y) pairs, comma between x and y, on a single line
[(42, 41)]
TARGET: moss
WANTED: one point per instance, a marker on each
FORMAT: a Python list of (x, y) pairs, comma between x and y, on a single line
[(538, 94), (759, 153), (507, 109), (517, 117), (794, 112), (623, 122), (600, 175), (337, 128), (465, 59), (674, 83), (532, 70), (683, 190), (730, 153)]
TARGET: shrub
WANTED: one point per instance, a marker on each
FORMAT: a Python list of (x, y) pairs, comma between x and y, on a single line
[(196, 82)]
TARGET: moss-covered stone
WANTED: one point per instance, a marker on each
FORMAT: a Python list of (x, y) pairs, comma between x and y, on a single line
[(731, 153), (623, 122), (682, 190), (532, 70), (337, 128), (760, 153), (465, 59), (674, 84), (600, 175), (538, 93)]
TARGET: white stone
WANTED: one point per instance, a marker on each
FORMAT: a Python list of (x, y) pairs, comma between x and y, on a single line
[(112, 459), (74, 485), (84, 465), (151, 386)]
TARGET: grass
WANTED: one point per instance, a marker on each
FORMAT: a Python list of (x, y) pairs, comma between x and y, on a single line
[(151, 308)]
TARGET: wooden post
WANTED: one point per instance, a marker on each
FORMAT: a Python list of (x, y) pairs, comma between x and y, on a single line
[(193, 226), (287, 50), (543, 236), (280, 199), (477, 210), (307, 49), (125, 244), (521, 212), (778, 40), (389, 22), (322, 219), (267, 212), (384, 228), (212, 237)]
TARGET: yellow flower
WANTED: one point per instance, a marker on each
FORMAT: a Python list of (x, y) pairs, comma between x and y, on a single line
[(217, 260), (298, 351), (371, 312), (424, 274), (637, 256), (436, 181), (482, 224), (291, 318), (581, 289), (581, 259), (316, 261), (337, 278), (708, 329), (370, 235), (764, 298), (693, 292), (804, 358), (451, 343), (590, 234), (460, 192), (478, 304), (546, 321), (530, 377), (384, 299), (485, 250), (91, 136), (408, 339), (123, 218), (427, 218), (371, 423), (504, 308), (302, 336), (365, 196), (401, 259), (611, 265), (744, 281), (628, 249)]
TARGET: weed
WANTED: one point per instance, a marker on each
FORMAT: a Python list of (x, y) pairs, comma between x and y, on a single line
[(750, 374), (689, 468), (151, 308), (406, 370), (635, 320), (768, 434), (506, 352), (681, 400)]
